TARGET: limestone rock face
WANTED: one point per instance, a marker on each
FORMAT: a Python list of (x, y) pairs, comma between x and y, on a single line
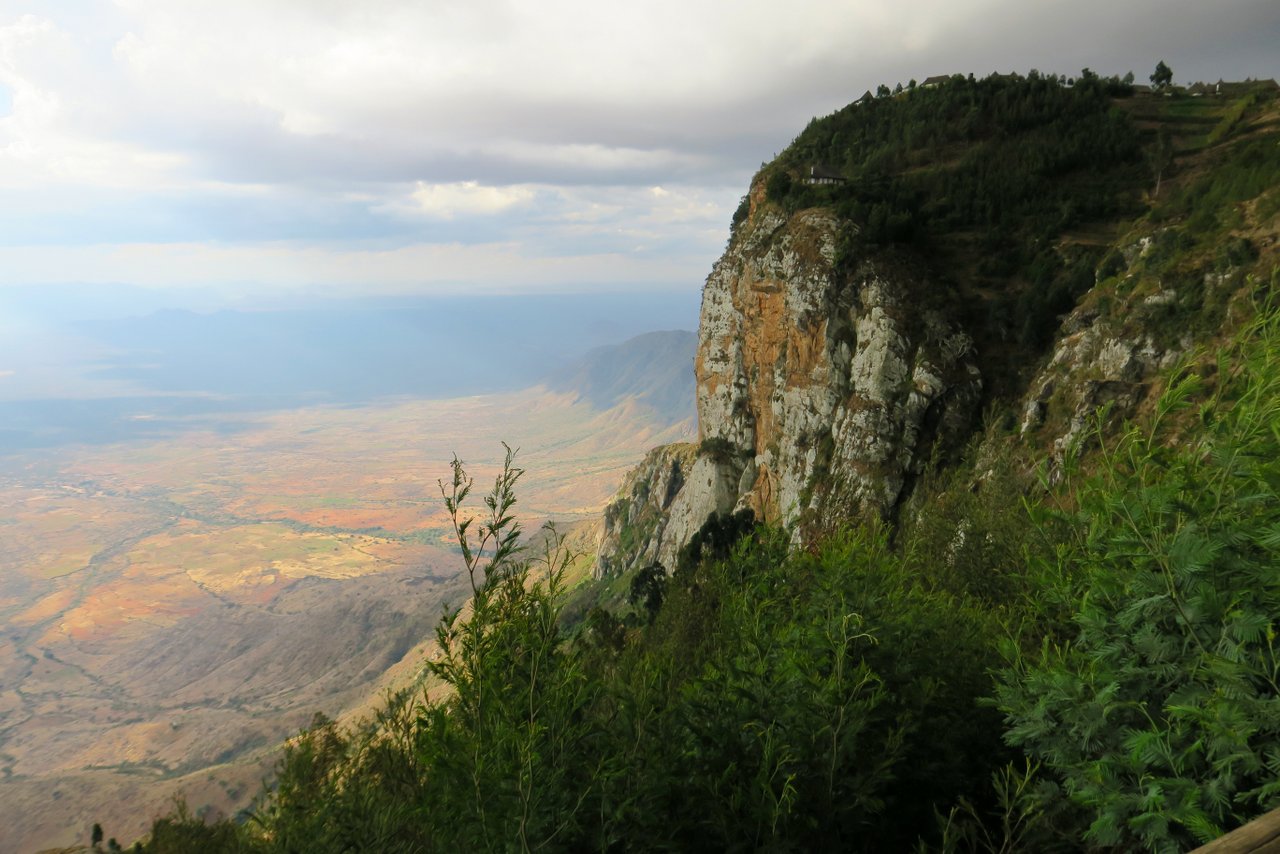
[(828, 386), (712, 487), (636, 520), (821, 387)]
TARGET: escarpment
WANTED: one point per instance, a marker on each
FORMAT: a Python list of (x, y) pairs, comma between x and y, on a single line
[(823, 382), (636, 520), (1005, 266)]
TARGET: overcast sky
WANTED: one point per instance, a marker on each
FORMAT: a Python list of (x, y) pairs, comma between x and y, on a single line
[(431, 146)]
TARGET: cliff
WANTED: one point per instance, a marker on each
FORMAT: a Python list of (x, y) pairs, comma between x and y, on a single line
[(821, 390), (837, 357)]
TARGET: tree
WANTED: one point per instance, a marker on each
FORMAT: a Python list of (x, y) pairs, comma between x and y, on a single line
[(502, 759), (500, 532), (95, 838), (648, 589), (1162, 76), (779, 186)]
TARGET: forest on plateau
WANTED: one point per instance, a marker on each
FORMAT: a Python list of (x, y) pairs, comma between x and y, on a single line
[(1070, 649)]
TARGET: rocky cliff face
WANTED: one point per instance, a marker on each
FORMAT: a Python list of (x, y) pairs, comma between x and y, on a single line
[(829, 383), (822, 385), (1124, 335), (635, 521)]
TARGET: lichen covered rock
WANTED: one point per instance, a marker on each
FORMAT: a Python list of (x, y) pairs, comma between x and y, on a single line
[(822, 385), (1103, 358), (828, 381)]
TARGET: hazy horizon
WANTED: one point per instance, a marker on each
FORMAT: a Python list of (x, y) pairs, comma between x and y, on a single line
[(86, 371)]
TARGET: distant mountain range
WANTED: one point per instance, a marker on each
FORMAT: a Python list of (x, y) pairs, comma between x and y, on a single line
[(86, 375), (340, 351), (654, 369)]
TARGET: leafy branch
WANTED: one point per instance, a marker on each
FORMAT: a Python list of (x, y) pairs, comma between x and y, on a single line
[(500, 530)]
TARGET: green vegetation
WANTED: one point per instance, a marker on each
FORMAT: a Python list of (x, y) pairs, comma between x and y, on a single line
[(1012, 187), (1162, 76), (1004, 161), (718, 448), (1160, 710)]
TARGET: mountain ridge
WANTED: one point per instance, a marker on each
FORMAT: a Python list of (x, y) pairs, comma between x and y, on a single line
[(655, 369)]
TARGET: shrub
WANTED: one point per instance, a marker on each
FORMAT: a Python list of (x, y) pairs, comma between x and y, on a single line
[(1161, 713)]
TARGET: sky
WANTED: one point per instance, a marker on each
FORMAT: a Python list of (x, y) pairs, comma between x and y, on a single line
[(478, 146)]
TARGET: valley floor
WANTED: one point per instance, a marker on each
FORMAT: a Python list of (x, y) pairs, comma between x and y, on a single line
[(175, 608)]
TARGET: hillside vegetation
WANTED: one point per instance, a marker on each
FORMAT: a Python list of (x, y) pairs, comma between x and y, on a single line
[(1068, 656), (1017, 188)]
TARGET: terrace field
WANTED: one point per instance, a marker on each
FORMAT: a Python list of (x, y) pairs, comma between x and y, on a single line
[(174, 607)]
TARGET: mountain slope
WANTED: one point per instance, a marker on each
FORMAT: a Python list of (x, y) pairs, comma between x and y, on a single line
[(654, 369), (177, 607)]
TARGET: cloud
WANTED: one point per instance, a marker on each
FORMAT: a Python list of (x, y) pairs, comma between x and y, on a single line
[(466, 197), (437, 237), (274, 129)]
